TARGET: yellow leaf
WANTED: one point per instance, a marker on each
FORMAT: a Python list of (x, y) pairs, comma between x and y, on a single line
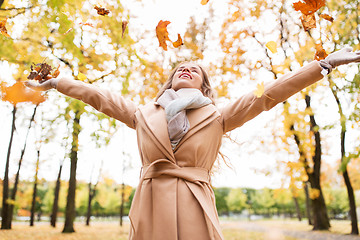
[(259, 91), (272, 46), (81, 76)]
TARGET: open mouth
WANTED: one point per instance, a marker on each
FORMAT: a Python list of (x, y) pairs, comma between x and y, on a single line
[(185, 75)]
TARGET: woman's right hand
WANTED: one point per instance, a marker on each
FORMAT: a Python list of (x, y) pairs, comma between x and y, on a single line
[(47, 85)]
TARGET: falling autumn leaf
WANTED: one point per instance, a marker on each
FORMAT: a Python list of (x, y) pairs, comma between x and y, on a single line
[(81, 76), (18, 93), (308, 21), (320, 52), (87, 24), (204, 2), (178, 42), (123, 27), (56, 72), (3, 28), (272, 46), (259, 91), (162, 33), (308, 6), (69, 30), (326, 17), (101, 11)]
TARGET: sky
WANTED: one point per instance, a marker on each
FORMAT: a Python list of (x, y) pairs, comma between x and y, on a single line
[(252, 160)]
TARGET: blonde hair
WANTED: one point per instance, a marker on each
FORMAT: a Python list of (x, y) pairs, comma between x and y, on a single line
[(205, 87)]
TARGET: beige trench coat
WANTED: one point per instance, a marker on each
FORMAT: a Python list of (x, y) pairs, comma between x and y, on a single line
[(174, 199)]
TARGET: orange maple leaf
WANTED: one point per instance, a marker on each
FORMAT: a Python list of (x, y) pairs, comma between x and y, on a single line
[(204, 2), (320, 52), (3, 28), (162, 33), (178, 42), (308, 6), (18, 93), (308, 21)]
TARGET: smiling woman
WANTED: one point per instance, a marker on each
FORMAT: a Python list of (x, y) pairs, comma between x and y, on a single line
[(179, 137)]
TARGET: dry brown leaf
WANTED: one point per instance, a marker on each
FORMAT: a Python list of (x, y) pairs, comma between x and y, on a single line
[(102, 11), (308, 21), (320, 52), (326, 17), (123, 27)]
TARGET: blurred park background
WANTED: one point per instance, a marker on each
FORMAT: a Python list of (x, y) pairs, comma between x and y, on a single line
[(63, 163)]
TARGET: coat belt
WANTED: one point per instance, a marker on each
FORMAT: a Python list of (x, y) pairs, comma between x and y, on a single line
[(164, 167)]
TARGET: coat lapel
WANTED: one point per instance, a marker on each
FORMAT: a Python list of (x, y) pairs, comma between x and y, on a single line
[(198, 119), (154, 119)]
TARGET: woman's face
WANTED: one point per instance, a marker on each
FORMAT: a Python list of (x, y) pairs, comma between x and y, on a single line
[(188, 75)]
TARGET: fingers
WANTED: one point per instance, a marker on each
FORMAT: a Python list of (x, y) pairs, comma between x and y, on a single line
[(37, 86)]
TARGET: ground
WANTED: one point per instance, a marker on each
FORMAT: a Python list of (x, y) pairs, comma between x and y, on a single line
[(232, 230)]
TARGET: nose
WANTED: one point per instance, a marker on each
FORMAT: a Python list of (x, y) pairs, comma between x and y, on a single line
[(186, 69)]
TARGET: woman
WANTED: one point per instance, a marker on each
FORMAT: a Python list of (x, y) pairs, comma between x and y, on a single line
[(179, 137)]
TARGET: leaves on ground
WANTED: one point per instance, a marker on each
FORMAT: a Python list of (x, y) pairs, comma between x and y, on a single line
[(102, 11), (3, 28), (163, 35)]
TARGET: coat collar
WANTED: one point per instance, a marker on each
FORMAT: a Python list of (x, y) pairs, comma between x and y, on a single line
[(152, 116)]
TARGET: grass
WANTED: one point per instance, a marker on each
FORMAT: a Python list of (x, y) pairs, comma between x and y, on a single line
[(232, 230)]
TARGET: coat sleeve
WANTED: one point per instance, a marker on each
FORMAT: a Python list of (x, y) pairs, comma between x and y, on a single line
[(113, 105), (249, 106)]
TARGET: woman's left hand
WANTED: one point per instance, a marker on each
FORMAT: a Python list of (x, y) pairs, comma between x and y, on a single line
[(343, 56)]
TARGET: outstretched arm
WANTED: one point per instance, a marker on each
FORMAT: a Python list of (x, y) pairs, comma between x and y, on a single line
[(249, 106), (102, 100)]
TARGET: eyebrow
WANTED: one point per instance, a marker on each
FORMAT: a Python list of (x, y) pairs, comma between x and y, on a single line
[(197, 68)]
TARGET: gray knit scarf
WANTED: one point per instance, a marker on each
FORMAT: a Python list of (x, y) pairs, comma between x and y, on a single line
[(175, 105)]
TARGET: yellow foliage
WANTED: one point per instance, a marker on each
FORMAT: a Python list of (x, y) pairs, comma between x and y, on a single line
[(314, 193), (272, 46)]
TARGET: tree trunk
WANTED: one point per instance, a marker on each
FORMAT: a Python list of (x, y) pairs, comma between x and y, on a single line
[(321, 219), (297, 208), (122, 203), (16, 183), (307, 203), (56, 198), (33, 204), (5, 224), (350, 190), (88, 214), (70, 204)]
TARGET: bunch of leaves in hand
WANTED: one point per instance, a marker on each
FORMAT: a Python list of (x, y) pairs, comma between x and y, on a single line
[(43, 72)]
